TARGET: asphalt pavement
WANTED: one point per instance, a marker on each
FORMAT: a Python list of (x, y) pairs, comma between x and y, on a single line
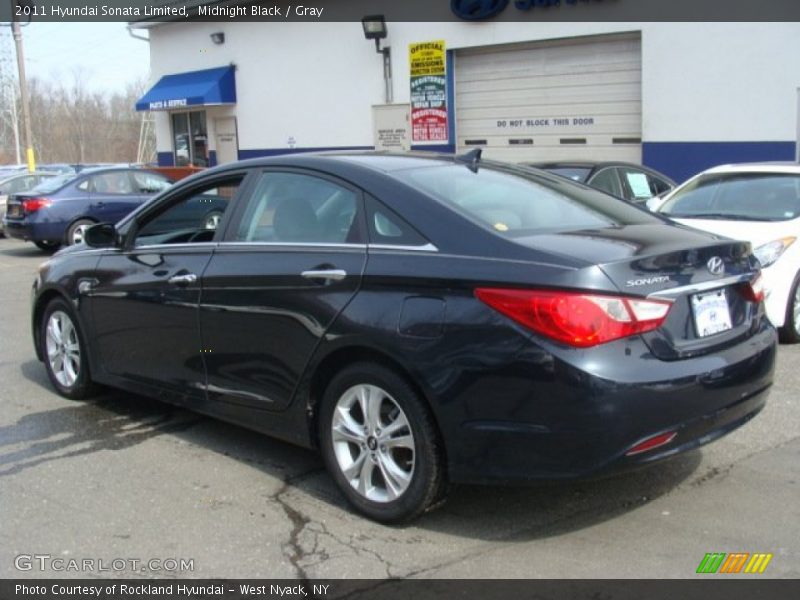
[(144, 489)]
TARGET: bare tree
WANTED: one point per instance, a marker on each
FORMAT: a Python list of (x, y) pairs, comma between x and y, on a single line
[(71, 123)]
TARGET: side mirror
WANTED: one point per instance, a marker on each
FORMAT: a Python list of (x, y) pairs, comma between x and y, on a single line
[(102, 235)]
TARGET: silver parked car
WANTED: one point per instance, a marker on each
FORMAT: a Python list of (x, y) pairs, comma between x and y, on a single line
[(18, 182)]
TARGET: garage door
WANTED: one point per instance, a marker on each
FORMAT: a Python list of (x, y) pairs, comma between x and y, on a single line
[(578, 99)]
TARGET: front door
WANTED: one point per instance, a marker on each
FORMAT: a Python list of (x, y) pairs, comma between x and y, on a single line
[(145, 300), (290, 262)]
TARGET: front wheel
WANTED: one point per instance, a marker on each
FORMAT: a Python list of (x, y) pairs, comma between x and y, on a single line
[(790, 332), (65, 352), (380, 444)]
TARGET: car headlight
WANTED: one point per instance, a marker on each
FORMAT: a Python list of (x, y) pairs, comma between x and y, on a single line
[(770, 252)]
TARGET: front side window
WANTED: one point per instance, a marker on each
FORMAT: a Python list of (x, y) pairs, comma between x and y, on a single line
[(150, 183), (297, 208), (192, 218), (738, 196), (515, 203)]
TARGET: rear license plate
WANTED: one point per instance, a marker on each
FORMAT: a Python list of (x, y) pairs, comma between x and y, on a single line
[(14, 210), (711, 313)]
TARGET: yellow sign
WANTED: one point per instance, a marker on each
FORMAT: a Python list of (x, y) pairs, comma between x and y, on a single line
[(426, 58)]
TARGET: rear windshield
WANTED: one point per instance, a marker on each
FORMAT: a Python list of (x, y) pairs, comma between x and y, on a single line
[(738, 196), (516, 203), (54, 183), (574, 173)]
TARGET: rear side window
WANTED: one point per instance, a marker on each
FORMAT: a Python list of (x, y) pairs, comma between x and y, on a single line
[(111, 183), (514, 203), (387, 228), (607, 181)]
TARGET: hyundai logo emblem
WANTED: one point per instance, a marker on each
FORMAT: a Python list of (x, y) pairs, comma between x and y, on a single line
[(475, 10), (715, 265)]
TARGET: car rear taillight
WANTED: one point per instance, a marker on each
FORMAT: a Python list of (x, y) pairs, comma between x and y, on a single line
[(574, 318), (30, 205), (753, 291)]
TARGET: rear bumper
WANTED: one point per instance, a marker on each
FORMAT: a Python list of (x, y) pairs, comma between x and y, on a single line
[(596, 408), (32, 231)]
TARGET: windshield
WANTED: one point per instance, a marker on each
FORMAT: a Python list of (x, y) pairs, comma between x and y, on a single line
[(54, 183), (516, 203), (738, 196)]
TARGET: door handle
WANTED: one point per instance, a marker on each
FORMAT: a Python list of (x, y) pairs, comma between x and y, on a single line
[(326, 274), (184, 279)]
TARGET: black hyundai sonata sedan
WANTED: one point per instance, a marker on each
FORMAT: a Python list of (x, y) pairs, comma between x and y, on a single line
[(419, 319)]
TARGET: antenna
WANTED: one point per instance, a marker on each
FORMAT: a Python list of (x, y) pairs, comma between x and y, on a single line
[(471, 159)]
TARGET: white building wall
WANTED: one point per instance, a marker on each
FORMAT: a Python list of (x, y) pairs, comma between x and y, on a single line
[(316, 83)]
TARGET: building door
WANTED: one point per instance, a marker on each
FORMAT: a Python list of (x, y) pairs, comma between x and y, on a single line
[(227, 141), (571, 99)]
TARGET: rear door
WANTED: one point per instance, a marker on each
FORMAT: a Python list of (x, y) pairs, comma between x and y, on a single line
[(112, 195), (291, 261)]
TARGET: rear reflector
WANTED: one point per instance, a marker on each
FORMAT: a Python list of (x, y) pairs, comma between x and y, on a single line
[(30, 205), (576, 319), (652, 443)]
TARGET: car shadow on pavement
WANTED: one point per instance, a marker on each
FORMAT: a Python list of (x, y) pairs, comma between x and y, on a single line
[(25, 250), (118, 420)]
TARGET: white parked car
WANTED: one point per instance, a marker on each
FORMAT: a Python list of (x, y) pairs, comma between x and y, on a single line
[(759, 203)]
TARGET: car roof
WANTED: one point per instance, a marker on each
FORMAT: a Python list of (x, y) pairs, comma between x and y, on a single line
[(756, 167), (582, 164)]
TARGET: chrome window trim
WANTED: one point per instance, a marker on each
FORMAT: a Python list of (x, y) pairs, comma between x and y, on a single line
[(167, 246), (702, 287), (424, 248), (230, 243)]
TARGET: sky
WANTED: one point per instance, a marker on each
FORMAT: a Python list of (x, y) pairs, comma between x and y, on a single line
[(104, 51)]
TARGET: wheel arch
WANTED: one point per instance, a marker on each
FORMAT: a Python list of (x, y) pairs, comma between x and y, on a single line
[(342, 357), (40, 305)]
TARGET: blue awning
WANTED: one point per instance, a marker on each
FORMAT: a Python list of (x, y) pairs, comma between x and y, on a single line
[(195, 88)]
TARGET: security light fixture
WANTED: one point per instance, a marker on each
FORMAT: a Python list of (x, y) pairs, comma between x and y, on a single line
[(375, 29), (218, 38)]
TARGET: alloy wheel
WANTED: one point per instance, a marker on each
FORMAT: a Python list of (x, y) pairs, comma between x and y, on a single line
[(373, 443), (796, 310), (63, 348), (78, 233)]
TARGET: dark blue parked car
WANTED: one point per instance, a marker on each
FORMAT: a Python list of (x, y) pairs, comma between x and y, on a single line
[(59, 210)]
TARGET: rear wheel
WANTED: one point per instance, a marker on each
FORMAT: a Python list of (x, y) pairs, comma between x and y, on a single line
[(77, 230), (47, 246), (65, 352), (380, 444), (790, 332)]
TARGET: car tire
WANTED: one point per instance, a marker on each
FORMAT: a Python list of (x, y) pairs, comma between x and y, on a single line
[(212, 219), (790, 332), (392, 475), (65, 353), (76, 231), (47, 246)]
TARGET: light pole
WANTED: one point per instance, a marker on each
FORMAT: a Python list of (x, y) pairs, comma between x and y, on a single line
[(23, 92)]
